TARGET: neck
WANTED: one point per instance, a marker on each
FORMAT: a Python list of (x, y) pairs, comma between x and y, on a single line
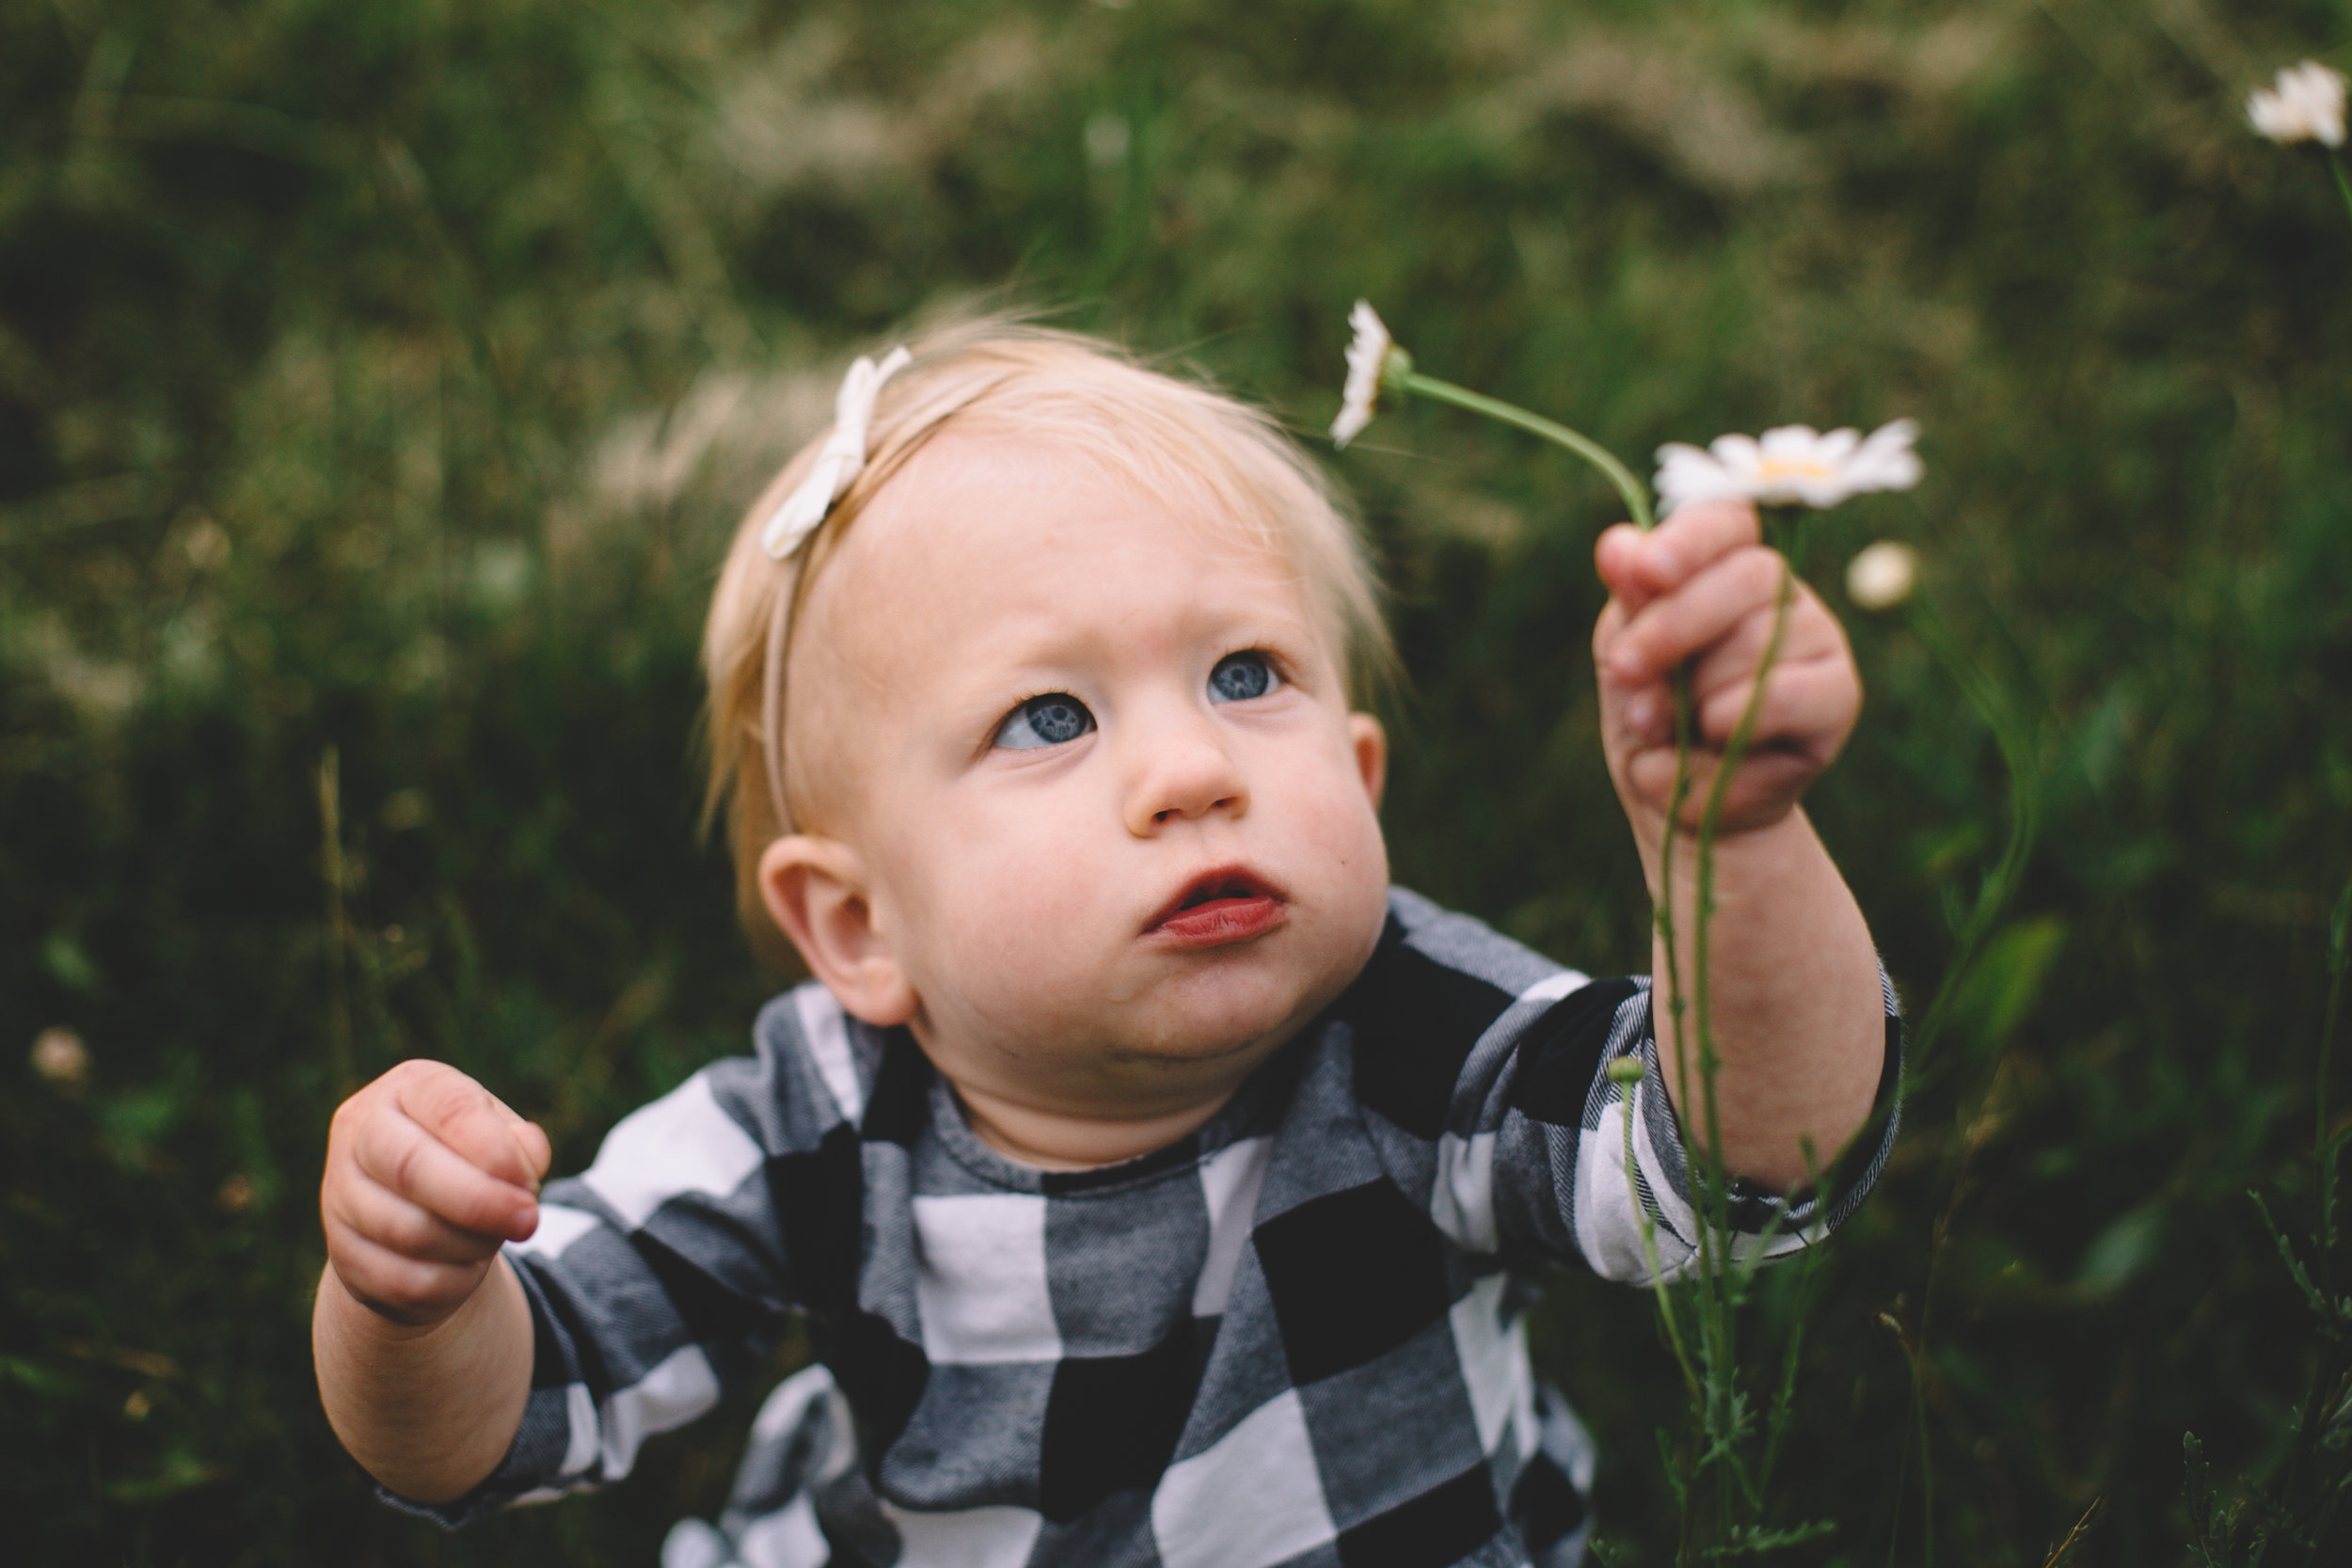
[(1055, 1139)]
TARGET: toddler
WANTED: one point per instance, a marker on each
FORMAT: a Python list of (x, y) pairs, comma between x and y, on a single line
[(1160, 1184)]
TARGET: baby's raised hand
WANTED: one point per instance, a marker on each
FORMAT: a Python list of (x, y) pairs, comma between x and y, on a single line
[(1700, 588), (427, 1172)]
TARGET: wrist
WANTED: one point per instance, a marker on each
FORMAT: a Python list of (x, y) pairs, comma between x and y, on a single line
[(408, 1316), (365, 1319), (1750, 842), (427, 1410)]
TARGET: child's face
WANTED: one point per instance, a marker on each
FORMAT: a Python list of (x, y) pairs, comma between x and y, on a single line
[(1053, 713)]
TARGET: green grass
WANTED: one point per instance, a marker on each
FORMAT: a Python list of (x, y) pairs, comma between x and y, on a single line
[(382, 382)]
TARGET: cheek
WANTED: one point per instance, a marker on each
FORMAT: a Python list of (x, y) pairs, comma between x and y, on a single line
[(1359, 855), (999, 888), (1335, 814), (1362, 857)]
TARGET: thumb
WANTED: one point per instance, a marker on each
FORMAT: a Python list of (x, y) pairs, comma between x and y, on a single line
[(1616, 554), (533, 1141)]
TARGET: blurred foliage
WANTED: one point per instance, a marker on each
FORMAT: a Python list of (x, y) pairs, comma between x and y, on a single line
[(379, 383)]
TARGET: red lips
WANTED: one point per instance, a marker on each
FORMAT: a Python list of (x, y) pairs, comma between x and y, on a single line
[(1226, 904)]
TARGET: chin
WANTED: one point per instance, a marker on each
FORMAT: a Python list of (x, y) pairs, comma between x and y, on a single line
[(1225, 1015)]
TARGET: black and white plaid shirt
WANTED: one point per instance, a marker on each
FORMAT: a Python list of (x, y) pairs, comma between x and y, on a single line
[(1292, 1338)]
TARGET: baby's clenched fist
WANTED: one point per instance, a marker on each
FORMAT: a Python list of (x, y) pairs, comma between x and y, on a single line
[(1701, 589), (427, 1173)]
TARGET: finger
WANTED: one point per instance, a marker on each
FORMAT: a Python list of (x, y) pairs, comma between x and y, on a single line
[(405, 1289), (1617, 556), (1642, 717), (1690, 540), (396, 1153), (1766, 787), (1607, 628), (470, 1120), (1808, 633), (1811, 705), (533, 1140), (399, 1225), (1670, 629)]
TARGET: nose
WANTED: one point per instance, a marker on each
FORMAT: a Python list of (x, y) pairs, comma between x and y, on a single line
[(1182, 772)]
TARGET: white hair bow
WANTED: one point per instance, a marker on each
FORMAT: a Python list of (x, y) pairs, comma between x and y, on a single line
[(839, 462)]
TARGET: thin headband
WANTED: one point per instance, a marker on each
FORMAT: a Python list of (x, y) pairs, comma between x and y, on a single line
[(839, 462)]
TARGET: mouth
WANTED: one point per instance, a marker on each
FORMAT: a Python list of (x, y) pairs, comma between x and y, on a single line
[(1222, 905)]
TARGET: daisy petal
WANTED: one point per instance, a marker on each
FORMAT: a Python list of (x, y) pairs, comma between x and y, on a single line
[(1790, 465), (1367, 354)]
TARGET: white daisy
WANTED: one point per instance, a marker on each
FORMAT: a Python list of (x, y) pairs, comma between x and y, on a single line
[(1882, 575), (2305, 104), (1793, 465), (1367, 359)]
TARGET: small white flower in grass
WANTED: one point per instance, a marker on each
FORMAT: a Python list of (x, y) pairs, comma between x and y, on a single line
[(1882, 575), (60, 1055), (2306, 104), (1374, 361), (1794, 464)]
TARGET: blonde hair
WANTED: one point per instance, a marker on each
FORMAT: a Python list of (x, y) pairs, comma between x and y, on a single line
[(1008, 379)]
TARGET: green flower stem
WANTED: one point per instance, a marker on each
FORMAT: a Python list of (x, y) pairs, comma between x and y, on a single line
[(2343, 182), (1628, 488), (1718, 1280), (1808, 1274), (1697, 1383), (1720, 1290), (1710, 817), (2323, 1148), (1677, 1005), (1657, 1271)]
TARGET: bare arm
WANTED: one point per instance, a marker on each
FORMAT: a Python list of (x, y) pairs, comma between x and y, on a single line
[(1797, 1015), (1799, 1022), (429, 1412), (421, 1334)]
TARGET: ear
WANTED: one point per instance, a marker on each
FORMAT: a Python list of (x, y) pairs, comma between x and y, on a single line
[(815, 889), (1372, 753)]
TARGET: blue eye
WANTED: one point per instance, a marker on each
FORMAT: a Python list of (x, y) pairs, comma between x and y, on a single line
[(1239, 677), (1047, 720)]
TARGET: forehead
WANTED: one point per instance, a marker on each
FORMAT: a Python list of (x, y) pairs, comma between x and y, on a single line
[(992, 534), (976, 486)]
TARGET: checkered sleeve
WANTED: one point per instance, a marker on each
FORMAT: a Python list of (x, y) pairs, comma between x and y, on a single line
[(1544, 1155), (658, 1277)]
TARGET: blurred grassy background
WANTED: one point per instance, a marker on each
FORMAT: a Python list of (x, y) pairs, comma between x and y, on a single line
[(378, 383)]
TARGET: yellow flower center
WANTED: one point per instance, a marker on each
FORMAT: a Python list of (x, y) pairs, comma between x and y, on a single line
[(1772, 470)]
